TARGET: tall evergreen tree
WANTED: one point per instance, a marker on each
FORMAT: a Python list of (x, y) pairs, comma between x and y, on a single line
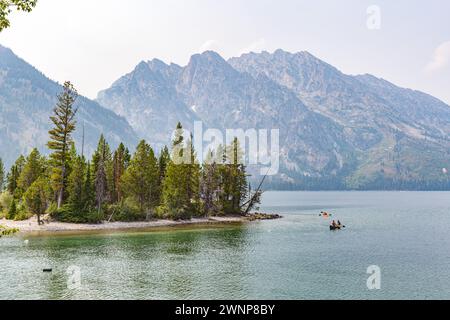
[(180, 195), (163, 161), (141, 179), (2, 175), (233, 179), (121, 161), (89, 199), (193, 173), (103, 170), (71, 161), (101, 184), (174, 199), (61, 138), (239, 185), (33, 169), (12, 210), (13, 177), (77, 187), (210, 186)]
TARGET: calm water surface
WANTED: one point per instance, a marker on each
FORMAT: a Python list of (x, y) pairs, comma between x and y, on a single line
[(406, 234)]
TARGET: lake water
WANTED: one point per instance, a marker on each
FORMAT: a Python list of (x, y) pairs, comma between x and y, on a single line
[(405, 234)]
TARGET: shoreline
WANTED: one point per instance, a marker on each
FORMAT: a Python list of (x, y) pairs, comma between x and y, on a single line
[(30, 227)]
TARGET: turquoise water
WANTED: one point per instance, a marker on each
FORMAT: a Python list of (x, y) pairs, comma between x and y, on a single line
[(406, 234)]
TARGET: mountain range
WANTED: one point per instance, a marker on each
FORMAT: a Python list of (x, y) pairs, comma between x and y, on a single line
[(337, 131)]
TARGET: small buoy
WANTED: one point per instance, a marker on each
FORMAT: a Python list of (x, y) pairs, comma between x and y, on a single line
[(48, 270)]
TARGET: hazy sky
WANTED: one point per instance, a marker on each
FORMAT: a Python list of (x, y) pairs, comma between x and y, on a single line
[(93, 42)]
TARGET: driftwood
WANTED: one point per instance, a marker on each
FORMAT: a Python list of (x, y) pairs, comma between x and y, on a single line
[(252, 200)]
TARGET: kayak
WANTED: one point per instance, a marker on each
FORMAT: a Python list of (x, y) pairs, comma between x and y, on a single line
[(339, 227), (325, 215)]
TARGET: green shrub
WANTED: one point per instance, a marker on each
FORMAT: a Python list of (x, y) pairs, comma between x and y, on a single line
[(67, 214), (4, 231), (6, 200), (52, 208), (22, 215), (177, 214), (12, 212), (125, 212)]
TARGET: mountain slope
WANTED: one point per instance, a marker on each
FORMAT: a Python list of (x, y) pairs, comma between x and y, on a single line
[(336, 130), (390, 127), (362, 98), (224, 98), (147, 98), (27, 99)]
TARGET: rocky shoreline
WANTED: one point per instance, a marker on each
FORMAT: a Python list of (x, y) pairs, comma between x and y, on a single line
[(262, 216)]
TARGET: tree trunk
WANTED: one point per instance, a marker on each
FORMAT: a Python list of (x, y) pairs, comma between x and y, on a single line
[(61, 191), (60, 198), (99, 209)]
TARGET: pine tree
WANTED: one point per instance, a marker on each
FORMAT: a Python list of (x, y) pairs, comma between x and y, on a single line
[(101, 184), (224, 179), (13, 177), (193, 174), (175, 203), (155, 186), (239, 185), (37, 198), (180, 188), (2, 175), (173, 199), (103, 170), (76, 186), (33, 169), (210, 186), (141, 181), (233, 179), (127, 157), (71, 161), (121, 161), (163, 161), (61, 138), (89, 192), (12, 210)]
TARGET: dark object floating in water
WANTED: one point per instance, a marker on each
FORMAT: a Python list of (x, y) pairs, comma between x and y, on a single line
[(48, 270), (338, 227)]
